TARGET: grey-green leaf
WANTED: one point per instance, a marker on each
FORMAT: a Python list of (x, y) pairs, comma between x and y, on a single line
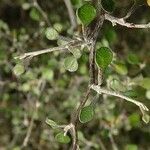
[(145, 83), (71, 64), (104, 57), (86, 114), (18, 69), (51, 34), (51, 123), (86, 13), (61, 138), (76, 52)]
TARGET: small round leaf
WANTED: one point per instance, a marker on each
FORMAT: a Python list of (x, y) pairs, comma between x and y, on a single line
[(145, 83), (133, 59), (121, 68), (51, 34), (86, 13), (104, 57), (61, 138), (86, 114), (76, 52), (71, 64), (34, 14), (18, 69)]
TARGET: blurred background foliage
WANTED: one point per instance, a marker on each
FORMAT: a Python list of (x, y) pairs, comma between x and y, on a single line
[(46, 89)]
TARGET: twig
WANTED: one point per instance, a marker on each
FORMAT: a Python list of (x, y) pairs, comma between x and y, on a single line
[(132, 9), (74, 119), (73, 43), (122, 22), (71, 13), (26, 139), (114, 145), (38, 7), (100, 90)]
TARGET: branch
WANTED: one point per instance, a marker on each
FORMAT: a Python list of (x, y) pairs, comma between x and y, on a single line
[(71, 13), (122, 22), (74, 119), (100, 90), (73, 43)]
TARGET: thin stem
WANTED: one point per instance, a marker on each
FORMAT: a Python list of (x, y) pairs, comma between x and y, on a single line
[(71, 13), (38, 7), (100, 90), (122, 22), (75, 116), (73, 43)]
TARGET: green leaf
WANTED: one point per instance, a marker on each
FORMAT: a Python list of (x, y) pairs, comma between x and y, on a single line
[(34, 14), (61, 138), (71, 64), (104, 57), (133, 59), (86, 13), (51, 123), (86, 114), (47, 74), (121, 68), (58, 27), (76, 52), (145, 83), (134, 120), (146, 118), (18, 69), (108, 5), (51, 33), (131, 147)]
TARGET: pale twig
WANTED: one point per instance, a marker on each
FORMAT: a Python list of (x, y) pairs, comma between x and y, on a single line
[(114, 145), (122, 22), (72, 43), (71, 13), (132, 9), (100, 90), (38, 7)]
